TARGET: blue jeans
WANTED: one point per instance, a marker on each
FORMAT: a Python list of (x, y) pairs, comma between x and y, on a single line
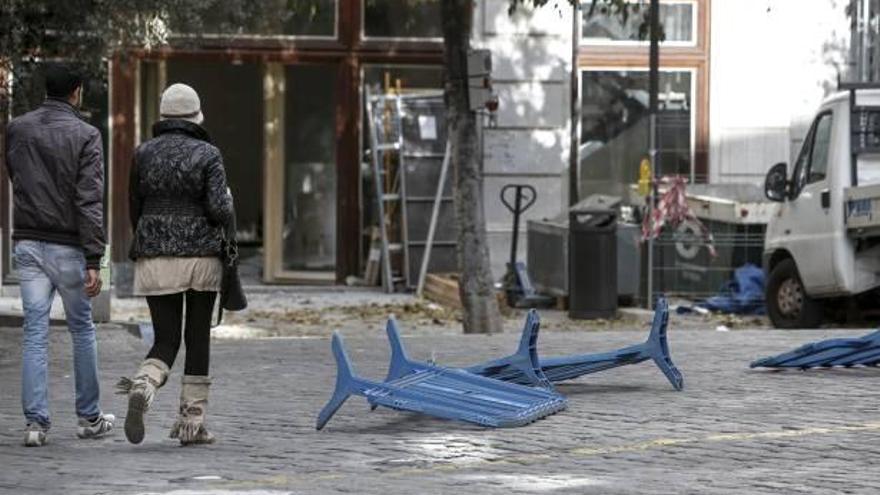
[(45, 269)]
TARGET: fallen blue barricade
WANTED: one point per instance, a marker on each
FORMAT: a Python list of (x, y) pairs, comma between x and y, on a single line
[(524, 366), (441, 392), (846, 352)]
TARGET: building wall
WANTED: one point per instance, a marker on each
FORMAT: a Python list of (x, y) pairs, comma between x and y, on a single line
[(768, 79), (531, 57)]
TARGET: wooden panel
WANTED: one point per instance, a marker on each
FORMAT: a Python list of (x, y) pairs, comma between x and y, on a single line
[(443, 289), (273, 169), (122, 111), (348, 111)]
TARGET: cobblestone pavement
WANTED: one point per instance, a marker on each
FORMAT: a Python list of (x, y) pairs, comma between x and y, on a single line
[(626, 431)]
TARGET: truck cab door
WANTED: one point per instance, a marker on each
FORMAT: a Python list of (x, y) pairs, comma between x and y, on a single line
[(809, 228)]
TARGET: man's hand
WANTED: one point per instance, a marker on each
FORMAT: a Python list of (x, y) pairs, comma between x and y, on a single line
[(93, 282)]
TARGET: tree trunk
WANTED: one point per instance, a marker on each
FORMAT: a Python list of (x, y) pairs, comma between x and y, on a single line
[(476, 287)]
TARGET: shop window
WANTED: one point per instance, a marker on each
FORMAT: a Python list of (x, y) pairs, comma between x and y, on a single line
[(678, 20), (402, 19), (378, 78), (310, 181), (233, 119), (615, 127), (259, 18)]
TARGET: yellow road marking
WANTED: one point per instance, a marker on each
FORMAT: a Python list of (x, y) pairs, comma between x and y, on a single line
[(725, 437)]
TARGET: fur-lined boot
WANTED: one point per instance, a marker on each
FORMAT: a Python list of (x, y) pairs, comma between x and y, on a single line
[(141, 391), (190, 425)]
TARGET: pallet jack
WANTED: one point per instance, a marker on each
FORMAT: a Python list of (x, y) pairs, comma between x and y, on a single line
[(517, 285)]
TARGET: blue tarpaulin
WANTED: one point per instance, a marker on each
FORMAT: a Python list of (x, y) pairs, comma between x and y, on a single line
[(744, 295)]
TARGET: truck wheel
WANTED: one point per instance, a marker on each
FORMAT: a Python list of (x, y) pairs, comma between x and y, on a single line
[(788, 304)]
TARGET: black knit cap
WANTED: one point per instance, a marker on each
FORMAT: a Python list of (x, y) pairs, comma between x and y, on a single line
[(62, 80)]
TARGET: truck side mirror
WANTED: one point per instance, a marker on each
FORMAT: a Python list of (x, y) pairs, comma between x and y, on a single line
[(776, 183)]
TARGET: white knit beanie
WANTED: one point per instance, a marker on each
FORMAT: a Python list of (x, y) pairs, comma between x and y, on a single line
[(180, 101)]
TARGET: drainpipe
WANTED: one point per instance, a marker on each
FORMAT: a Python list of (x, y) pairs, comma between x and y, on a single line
[(653, 88), (865, 40)]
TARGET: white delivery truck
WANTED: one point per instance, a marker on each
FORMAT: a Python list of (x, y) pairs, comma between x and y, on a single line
[(823, 241)]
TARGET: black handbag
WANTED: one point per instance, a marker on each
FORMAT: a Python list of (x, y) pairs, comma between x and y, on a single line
[(232, 296)]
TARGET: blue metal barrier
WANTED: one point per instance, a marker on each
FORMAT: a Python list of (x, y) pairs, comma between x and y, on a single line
[(847, 352), (440, 392), (525, 368)]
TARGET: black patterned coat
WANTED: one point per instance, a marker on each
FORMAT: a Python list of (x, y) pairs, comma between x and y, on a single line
[(178, 196)]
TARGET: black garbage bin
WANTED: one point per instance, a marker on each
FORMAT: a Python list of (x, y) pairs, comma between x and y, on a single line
[(592, 264)]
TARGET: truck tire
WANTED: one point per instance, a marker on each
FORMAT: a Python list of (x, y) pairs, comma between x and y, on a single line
[(788, 304)]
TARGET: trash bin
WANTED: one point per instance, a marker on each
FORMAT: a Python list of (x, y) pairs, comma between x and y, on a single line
[(592, 264)]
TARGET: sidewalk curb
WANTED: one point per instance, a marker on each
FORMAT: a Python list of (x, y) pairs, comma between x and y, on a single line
[(129, 327), (17, 320)]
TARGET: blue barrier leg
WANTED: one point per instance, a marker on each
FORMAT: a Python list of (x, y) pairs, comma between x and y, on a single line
[(659, 346), (345, 382), (655, 348), (522, 366), (400, 364), (528, 352)]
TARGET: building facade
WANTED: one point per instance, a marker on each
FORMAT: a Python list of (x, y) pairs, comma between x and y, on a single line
[(739, 82), (283, 99)]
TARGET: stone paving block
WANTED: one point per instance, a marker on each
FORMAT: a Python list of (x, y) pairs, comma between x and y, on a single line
[(733, 431)]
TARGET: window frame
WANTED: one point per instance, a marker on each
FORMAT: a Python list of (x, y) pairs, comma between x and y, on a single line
[(695, 104), (696, 23), (801, 174), (624, 57), (253, 37), (820, 118), (363, 37)]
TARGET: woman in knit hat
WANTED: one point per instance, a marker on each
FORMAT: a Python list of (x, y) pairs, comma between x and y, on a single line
[(181, 212)]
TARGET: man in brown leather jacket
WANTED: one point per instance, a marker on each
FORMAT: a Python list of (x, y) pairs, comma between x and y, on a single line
[(56, 165)]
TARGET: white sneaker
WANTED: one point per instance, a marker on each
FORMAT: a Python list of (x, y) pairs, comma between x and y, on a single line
[(97, 428), (34, 435)]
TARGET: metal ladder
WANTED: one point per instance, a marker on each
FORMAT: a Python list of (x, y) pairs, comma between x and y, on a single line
[(385, 115)]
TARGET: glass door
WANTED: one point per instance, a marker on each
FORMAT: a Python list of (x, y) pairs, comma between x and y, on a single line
[(301, 179), (230, 95)]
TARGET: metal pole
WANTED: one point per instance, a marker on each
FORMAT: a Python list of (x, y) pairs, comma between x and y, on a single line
[(654, 85), (865, 27), (432, 228), (574, 132), (853, 61), (517, 205)]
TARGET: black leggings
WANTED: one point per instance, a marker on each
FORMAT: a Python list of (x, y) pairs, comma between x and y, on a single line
[(167, 314)]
